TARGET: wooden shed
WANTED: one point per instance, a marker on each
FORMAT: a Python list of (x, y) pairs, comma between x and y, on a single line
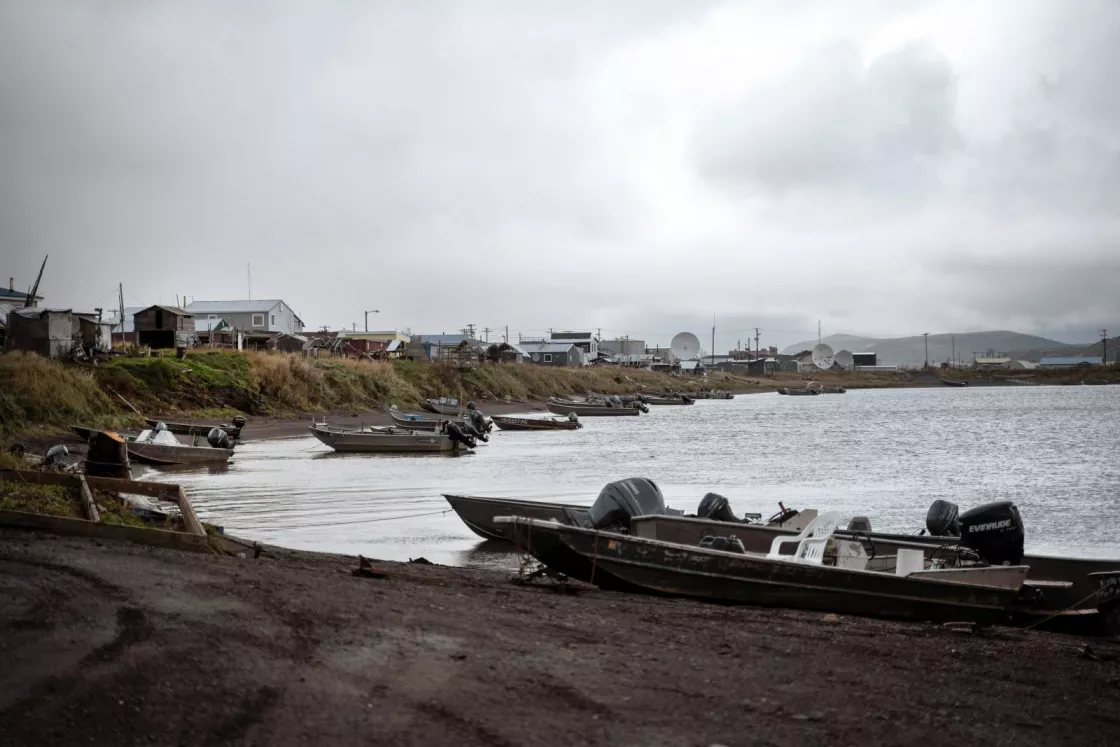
[(48, 332), (164, 327)]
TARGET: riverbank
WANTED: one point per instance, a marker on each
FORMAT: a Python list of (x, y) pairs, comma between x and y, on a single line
[(120, 644)]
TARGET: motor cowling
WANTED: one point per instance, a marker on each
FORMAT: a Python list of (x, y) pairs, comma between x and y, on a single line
[(995, 532), (715, 507), (942, 519), (456, 434), (218, 438), (622, 500)]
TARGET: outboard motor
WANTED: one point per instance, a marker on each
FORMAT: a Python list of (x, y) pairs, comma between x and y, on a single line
[(942, 519), (456, 434), (238, 421), (715, 507), (56, 455), (219, 439), (573, 418), (622, 500), (476, 420), (995, 532), (473, 432)]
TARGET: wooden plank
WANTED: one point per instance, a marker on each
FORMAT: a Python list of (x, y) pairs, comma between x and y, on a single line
[(166, 491), (82, 528), (87, 502), (190, 520)]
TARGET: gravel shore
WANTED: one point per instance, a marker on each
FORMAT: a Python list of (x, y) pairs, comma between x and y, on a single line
[(107, 643)]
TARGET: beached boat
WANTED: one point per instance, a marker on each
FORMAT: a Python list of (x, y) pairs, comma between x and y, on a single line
[(950, 382), (162, 448), (830, 389), (389, 440), (417, 421), (442, 406), (586, 409), (661, 401), (797, 392), (193, 429), (508, 423), (801, 581), (479, 513)]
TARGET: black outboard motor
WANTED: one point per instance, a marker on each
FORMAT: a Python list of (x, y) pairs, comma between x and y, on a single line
[(995, 532), (476, 420), (238, 421), (219, 439), (621, 500), (942, 519), (473, 432), (455, 433), (715, 507)]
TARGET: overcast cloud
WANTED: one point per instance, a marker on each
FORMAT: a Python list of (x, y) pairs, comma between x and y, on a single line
[(888, 168)]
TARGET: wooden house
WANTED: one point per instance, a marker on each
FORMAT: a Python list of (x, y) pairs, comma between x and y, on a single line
[(164, 327), (48, 332)]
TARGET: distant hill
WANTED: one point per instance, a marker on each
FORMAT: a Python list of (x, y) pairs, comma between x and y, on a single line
[(899, 351)]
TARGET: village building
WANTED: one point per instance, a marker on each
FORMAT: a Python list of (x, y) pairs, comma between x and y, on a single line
[(162, 327), (560, 353), (587, 342), (48, 332)]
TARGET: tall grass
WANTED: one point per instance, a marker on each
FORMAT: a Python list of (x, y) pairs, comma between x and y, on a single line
[(38, 391)]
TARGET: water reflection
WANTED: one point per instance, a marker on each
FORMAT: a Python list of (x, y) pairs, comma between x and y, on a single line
[(886, 454)]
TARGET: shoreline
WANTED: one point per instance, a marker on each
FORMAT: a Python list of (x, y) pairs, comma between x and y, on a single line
[(292, 647)]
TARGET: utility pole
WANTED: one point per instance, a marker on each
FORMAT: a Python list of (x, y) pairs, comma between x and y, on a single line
[(505, 338), (120, 293), (371, 311), (756, 347), (1104, 347), (953, 338), (486, 333), (713, 340), (469, 331), (925, 335)]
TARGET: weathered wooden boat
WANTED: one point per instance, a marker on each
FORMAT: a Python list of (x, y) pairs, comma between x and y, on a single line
[(509, 423), (797, 392), (626, 562), (192, 429), (162, 448), (442, 406), (831, 389), (950, 382), (585, 409), (387, 440)]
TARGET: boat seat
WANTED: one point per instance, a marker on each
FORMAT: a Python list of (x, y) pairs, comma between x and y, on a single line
[(811, 542)]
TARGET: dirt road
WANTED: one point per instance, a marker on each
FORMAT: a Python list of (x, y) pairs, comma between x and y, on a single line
[(119, 644)]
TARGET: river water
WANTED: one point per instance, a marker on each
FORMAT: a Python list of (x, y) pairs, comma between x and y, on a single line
[(886, 454)]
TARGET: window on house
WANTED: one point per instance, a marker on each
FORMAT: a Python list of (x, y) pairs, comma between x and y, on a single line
[(272, 319), (258, 320), (548, 357), (211, 316)]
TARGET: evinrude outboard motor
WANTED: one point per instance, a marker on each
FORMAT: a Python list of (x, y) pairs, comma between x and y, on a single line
[(942, 519), (219, 439), (995, 532), (715, 507), (622, 500), (455, 433)]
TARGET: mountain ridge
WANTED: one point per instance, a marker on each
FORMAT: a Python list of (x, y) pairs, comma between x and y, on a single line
[(898, 351)]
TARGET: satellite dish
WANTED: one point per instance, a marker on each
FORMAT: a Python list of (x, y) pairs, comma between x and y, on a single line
[(685, 346), (823, 357), (845, 359)]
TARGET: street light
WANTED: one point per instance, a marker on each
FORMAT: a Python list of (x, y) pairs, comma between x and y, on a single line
[(371, 311)]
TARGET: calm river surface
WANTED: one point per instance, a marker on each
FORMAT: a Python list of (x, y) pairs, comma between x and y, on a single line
[(885, 454)]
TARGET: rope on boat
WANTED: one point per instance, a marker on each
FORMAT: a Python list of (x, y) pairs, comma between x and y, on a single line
[(1075, 605)]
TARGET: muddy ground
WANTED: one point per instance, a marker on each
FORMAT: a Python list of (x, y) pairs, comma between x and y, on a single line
[(106, 643)]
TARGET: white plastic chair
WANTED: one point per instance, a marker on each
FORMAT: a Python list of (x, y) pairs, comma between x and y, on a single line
[(810, 543)]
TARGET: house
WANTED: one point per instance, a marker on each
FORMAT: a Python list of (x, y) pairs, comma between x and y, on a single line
[(504, 352), (1069, 361), (859, 360), (164, 327), (285, 343), (375, 344), (561, 353), (48, 332), (263, 316), (439, 346), (585, 341), (15, 297)]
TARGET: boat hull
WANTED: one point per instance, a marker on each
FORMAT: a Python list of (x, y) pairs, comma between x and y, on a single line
[(615, 560), (478, 513), (162, 454), (190, 429), (759, 537), (507, 423), (403, 442), (416, 421), (441, 408), (591, 411)]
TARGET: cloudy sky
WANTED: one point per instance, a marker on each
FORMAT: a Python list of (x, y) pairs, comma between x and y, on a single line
[(886, 168)]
